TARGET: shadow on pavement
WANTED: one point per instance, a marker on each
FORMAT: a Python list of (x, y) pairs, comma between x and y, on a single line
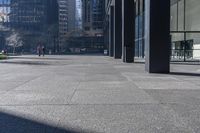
[(185, 74), (24, 63), (14, 124), (37, 58)]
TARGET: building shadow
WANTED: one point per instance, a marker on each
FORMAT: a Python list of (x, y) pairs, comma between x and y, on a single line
[(185, 74), (14, 124)]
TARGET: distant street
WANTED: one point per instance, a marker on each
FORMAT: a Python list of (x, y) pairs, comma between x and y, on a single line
[(96, 94)]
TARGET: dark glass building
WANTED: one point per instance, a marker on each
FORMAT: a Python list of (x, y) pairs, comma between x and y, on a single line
[(67, 14), (35, 21), (33, 14), (93, 12)]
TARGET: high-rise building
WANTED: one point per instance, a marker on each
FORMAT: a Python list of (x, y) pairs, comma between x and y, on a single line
[(67, 11), (33, 14), (33, 19), (78, 23), (93, 16), (71, 15), (62, 18)]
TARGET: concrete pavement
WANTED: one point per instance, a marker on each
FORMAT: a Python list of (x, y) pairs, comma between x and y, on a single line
[(96, 94)]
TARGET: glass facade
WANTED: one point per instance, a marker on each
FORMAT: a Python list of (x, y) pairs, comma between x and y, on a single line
[(97, 14), (185, 30), (93, 17), (28, 15), (139, 29)]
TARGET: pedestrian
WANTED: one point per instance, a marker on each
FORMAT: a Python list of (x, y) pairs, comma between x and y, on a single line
[(39, 50), (43, 50)]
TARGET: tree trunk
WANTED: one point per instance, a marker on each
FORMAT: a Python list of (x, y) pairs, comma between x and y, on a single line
[(13, 50)]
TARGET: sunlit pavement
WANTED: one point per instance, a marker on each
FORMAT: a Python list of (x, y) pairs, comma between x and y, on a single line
[(96, 94)]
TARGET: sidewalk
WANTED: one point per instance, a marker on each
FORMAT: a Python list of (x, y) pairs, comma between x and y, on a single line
[(96, 94)]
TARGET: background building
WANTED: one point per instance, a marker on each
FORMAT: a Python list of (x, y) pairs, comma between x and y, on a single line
[(63, 20), (93, 12), (34, 20), (33, 15), (67, 20), (71, 15), (78, 23)]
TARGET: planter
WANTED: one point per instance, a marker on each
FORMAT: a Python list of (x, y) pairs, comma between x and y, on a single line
[(2, 56)]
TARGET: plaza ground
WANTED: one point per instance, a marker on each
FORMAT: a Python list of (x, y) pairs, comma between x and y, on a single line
[(96, 94)]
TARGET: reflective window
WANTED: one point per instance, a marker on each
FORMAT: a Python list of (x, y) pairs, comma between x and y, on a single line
[(139, 27), (185, 30)]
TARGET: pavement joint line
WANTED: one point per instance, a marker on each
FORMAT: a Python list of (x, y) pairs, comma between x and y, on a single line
[(122, 104), (151, 107), (109, 89), (76, 88), (22, 84)]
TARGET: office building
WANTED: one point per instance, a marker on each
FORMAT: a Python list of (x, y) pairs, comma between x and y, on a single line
[(78, 21), (32, 18), (67, 20), (62, 19), (33, 15), (93, 12), (153, 29)]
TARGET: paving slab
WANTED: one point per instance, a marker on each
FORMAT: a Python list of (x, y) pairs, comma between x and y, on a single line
[(102, 85), (176, 96), (166, 85), (8, 86), (96, 94), (115, 96), (140, 118)]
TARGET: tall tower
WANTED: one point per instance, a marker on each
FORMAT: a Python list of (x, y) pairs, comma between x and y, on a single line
[(67, 13), (33, 15), (93, 16), (28, 15), (78, 23)]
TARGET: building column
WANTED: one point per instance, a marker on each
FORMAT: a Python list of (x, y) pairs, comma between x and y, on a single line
[(111, 32), (157, 38), (106, 35), (128, 30), (118, 29)]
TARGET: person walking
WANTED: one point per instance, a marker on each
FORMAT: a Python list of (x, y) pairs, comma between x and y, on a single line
[(39, 50), (43, 50)]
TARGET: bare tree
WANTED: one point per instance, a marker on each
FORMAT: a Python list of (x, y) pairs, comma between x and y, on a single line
[(14, 40)]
